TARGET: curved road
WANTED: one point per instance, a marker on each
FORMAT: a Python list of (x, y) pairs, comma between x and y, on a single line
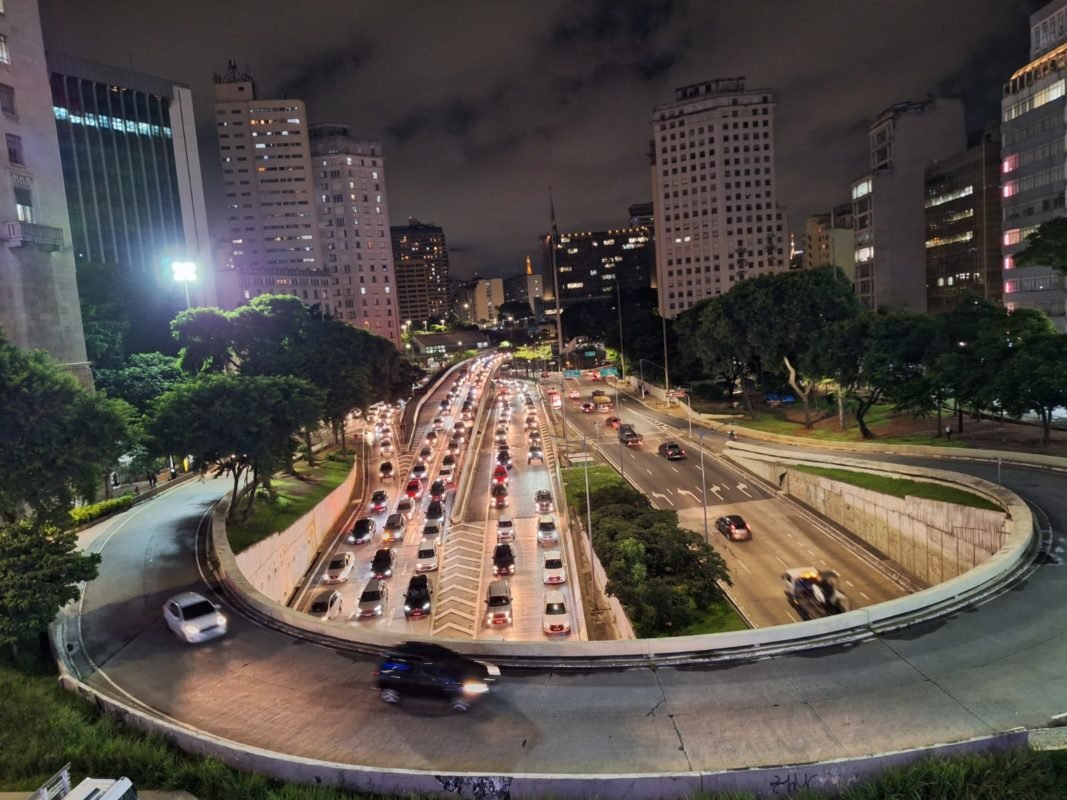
[(992, 668)]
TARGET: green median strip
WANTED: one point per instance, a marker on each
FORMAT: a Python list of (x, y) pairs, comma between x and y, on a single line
[(902, 487)]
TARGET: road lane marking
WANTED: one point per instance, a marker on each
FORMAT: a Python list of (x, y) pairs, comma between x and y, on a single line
[(779, 559), (674, 468), (742, 563), (648, 470), (864, 596)]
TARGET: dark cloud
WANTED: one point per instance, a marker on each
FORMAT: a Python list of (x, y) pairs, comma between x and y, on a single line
[(482, 105)]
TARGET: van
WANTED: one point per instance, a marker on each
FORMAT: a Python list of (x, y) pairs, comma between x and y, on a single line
[(498, 603)]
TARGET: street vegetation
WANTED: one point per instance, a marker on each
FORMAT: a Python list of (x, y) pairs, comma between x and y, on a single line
[(901, 487)]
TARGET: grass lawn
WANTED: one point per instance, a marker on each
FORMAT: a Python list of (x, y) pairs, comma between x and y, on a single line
[(720, 618), (902, 487), (296, 497), (600, 476)]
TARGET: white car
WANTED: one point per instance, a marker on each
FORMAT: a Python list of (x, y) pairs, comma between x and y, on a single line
[(339, 568), (426, 557), (194, 618), (505, 529), (326, 605), (546, 529), (556, 618), (552, 569)]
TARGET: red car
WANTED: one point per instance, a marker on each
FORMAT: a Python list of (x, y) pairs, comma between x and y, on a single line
[(500, 474), (614, 422), (414, 489)]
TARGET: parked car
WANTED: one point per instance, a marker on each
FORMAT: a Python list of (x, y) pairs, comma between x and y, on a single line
[(194, 618), (372, 600), (556, 619), (339, 568), (326, 605), (419, 668), (381, 566), (362, 531), (418, 599)]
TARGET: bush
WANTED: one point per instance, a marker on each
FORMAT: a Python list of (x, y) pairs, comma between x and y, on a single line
[(84, 514)]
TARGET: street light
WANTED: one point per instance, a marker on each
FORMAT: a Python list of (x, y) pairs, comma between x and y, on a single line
[(689, 402), (704, 487), (184, 272), (589, 521)]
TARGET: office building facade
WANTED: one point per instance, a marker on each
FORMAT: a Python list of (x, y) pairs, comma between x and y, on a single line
[(962, 205), (269, 185), (888, 214), (39, 306), (596, 265), (830, 241), (526, 288), (420, 258), (1033, 181), (717, 219), (131, 170), (354, 237)]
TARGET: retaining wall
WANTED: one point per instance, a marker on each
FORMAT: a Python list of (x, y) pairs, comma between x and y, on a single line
[(275, 566)]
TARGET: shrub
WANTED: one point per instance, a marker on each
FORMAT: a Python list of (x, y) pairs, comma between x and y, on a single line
[(83, 514)]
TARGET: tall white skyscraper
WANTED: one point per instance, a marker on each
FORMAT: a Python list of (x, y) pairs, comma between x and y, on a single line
[(717, 219), (269, 185), (356, 244)]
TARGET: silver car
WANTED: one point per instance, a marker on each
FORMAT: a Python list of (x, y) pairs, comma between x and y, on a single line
[(326, 605), (372, 601), (546, 529)]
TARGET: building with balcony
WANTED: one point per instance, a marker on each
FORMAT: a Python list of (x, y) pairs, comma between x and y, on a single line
[(1033, 181), (962, 205), (39, 306)]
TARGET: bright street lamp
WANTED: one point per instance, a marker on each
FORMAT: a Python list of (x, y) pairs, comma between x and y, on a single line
[(184, 272)]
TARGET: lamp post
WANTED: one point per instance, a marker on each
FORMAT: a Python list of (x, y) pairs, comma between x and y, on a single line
[(689, 402), (184, 272), (589, 521), (704, 487)]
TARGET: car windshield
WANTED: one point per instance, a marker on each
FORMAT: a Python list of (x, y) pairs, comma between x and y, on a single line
[(499, 490), (370, 596), (426, 553), (553, 563), (201, 608), (555, 608), (378, 497), (546, 525), (496, 601), (363, 525), (337, 563), (505, 523)]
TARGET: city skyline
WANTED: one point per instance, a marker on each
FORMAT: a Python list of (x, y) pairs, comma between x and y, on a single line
[(475, 142)]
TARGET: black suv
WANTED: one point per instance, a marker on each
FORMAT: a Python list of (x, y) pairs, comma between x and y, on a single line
[(382, 564), (418, 668), (418, 597), (503, 560), (672, 451)]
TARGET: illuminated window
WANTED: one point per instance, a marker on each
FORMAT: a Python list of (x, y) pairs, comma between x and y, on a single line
[(948, 197), (861, 189), (1009, 164), (5, 54), (1046, 95)]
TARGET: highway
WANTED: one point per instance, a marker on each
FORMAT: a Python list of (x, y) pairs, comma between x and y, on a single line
[(783, 534)]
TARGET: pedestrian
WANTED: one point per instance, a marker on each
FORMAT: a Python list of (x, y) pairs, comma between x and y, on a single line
[(148, 477), (948, 432)]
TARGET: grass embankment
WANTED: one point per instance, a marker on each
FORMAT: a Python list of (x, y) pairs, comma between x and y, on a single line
[(296, 495), (902, 487), (717, 618), (43, 727)]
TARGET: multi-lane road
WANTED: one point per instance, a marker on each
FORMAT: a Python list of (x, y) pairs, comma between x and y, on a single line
[(784, 535)]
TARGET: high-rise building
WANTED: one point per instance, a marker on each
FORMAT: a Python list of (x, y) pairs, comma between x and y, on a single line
[(487, 295), (38, 283), (591, 264), (642, 215), (356, 246), (717, 219), (963, 225), (829, 240), (131, 170), (887, 204), (420, 258), (269, 184), (526, 288), (1033, 130)]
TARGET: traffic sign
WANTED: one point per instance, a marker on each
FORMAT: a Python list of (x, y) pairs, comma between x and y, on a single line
[(609, 372), (572, 373), (590, 353)]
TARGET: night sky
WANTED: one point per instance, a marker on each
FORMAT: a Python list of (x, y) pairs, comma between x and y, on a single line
[(481, 106)]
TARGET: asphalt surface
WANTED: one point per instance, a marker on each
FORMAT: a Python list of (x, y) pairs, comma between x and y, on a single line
[(987, 669), (783, 535)]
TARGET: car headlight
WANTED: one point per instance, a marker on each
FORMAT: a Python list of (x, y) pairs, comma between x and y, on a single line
[(426, 606), (475, 687), (190, 630), (220, 619)]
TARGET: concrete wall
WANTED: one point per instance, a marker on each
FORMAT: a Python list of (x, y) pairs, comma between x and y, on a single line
[(275, 565)]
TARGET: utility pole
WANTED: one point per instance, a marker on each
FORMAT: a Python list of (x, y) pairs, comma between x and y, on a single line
[(553, 241), (704, 488), (666, 367)]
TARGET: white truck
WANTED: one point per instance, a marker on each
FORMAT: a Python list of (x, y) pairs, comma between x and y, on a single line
[(814, 593)]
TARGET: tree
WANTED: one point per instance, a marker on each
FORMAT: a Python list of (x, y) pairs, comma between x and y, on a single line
[(1035, 379), (240, 424), (40, 569), (143, 378), (205, 336), (56, 439), (1047, 246)]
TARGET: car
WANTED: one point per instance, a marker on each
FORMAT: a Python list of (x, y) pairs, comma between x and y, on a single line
[(425, 669), (433, 527), (734, 527), (628, 436), (556, 619), (414, 489), (454, 447), (435, 511), (426, 555), (613, 422), (418, 598), (425, 454), (503, 559), (574, 394), (500, 438), (447, 474), (386, 469), (547, 532), (587, 408), (431, 437), (381, 566), (406, 506), (501, 430), (534, 438), (535, 454), (386, 447), (530, 422), (379, 500), (326, 605), (505, 529), (194, 618), (372, 600), (500, 474), (438, 423), (459, 429), (444, 404), (438, 489), (672, 451), (339, 568), (503, 456), (362, 531), (498, 602), (552, 569), (448, 461), (543, 501), (498, 495), (420, 471), (395, 526)]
